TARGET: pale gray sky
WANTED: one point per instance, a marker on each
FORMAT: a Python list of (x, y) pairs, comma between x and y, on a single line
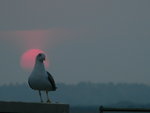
[(85, 40)]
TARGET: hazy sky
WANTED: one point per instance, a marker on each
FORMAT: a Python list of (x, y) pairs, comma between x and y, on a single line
[(85, 40)]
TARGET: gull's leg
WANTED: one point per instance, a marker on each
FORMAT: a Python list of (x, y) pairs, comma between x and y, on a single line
[(40, 96), (48, 100)]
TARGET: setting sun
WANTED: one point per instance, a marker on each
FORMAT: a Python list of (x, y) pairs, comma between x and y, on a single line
[(28, 58)]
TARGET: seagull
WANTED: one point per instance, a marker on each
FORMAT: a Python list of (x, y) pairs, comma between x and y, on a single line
[(40, 79)]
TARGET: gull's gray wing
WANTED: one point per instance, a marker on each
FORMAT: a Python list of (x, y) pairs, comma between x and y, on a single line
[(52, 82)]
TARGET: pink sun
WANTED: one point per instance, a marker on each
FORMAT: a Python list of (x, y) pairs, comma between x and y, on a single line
[(28, 59)]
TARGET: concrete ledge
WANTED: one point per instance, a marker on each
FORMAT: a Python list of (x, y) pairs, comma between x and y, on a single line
[(23, 107)]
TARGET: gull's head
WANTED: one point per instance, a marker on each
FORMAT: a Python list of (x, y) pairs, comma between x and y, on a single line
[(41, 57)]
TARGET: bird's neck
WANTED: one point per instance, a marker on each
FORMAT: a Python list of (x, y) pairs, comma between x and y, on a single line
[(39, 66)]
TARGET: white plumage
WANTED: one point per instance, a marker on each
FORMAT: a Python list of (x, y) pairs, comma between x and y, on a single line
[(40, 79)]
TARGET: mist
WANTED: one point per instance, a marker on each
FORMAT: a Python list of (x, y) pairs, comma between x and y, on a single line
[(98, 41)]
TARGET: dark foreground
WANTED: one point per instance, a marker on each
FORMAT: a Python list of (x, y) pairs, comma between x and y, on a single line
[(24, 107), (84, 109), (101, 109)]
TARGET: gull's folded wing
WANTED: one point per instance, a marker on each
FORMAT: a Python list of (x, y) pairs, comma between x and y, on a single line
[(51, 80)]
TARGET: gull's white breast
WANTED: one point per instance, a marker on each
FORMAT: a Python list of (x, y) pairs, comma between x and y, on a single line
[(38, 79)]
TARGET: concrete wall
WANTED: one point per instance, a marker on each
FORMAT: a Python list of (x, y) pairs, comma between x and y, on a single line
[(23, 107)]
